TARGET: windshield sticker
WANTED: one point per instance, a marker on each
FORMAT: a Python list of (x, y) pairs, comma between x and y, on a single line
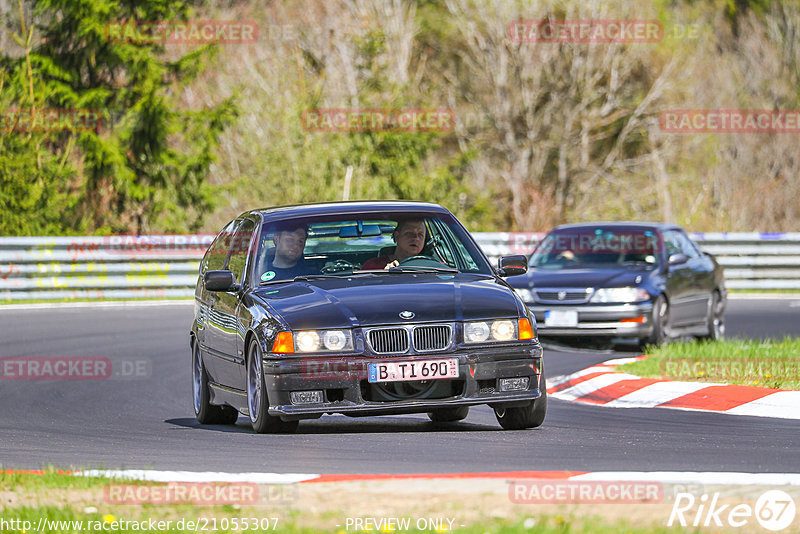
[(267, 276)]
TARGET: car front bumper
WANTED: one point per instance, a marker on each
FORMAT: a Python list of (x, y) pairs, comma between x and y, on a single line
[(343, 381), (612, 320)]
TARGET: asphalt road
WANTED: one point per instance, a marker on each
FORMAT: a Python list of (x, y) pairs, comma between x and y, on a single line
[(147, 421)]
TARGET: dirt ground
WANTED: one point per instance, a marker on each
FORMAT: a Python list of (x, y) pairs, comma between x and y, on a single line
[(451, 504)]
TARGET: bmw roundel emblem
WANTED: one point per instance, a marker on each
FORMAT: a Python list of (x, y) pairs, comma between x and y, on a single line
[(407, 314)]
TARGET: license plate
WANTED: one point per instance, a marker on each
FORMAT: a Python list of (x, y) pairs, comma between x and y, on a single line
[(418, 370), (561, 318)]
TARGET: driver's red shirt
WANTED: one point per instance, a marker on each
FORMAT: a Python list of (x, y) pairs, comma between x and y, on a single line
[(376, 263)]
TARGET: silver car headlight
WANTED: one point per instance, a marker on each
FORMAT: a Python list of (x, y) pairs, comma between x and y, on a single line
[(323, 340), (483, 331), (525, 294), (620, 294)]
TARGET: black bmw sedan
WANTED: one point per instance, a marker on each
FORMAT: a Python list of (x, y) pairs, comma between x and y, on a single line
[(645, 281), (360, 308)]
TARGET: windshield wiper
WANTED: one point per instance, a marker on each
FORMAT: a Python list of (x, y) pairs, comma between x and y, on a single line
[(412, 269)]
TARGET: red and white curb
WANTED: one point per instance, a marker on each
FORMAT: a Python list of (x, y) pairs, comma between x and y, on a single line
[(603, 385), (666, 477)]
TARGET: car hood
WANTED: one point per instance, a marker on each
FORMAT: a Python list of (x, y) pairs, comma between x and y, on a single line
[(623, 276), (379, 299)]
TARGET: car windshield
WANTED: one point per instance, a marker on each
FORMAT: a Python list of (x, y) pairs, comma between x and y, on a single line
[(321, 247), (597, 248)]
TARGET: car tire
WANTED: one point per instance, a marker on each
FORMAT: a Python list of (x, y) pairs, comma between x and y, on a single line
[(715, 320), (660, 321), (529, 416), (449, 415), (257, 401), (205, 412)]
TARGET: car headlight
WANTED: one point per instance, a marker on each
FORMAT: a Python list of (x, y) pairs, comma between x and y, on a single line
[(620, 294), (525, 294), (499, 330), (323, 340)]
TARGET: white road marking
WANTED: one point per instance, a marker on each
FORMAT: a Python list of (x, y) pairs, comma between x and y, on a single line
[(693, 477), (591, 385), (655, 394), (783, 405)]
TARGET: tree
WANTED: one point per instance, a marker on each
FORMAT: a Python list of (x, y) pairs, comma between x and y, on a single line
[(145, 165)]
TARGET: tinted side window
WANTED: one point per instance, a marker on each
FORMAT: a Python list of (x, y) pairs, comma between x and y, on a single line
[(696, 252), (671, 243), (214, 260), (686, 245), (240, 248)]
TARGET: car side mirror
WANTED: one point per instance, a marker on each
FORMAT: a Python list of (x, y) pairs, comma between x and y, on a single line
[(220, 281), (677, 259), (512, 265)]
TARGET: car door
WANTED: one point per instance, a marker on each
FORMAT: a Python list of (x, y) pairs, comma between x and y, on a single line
[(207, 325), (678, 281), (701, 280), (227, 331)]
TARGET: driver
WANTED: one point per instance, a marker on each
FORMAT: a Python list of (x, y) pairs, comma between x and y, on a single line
[(288, 262), (410, 238)]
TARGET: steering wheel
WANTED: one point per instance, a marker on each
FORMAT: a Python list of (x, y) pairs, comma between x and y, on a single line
[(421, 261), (418, 257)]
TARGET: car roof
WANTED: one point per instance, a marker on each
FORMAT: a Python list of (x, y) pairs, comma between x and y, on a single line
[(632, 225), (349, 208)]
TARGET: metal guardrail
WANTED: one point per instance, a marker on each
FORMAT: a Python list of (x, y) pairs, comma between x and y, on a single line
[(165, 266)]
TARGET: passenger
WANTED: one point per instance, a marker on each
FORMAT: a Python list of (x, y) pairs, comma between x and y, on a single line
[(288, 261), (410, 238)]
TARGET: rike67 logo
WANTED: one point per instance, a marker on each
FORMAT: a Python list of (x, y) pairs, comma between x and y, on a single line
[(774, 510)]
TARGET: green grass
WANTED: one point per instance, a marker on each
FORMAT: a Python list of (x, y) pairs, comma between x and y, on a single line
[(774, 364), (57, 496), (536, 524), (47, 478)]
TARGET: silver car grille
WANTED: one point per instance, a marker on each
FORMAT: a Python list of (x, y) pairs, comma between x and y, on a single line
[(431, 337), (389, 340), (570, 295), (398, 339)]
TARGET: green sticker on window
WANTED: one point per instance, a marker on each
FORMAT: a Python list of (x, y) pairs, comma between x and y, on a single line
[(269, 275)]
